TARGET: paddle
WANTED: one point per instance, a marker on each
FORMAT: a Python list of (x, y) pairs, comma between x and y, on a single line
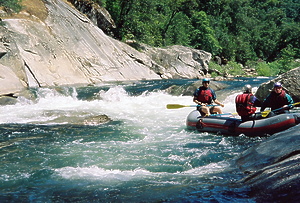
[(178, 106), (267, 112)]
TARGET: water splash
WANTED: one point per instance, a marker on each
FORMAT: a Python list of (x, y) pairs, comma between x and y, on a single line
[(144, 154)]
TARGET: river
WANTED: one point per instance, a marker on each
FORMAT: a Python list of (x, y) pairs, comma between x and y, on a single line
[(145, 154)]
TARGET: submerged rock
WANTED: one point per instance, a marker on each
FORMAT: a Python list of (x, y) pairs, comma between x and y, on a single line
[(7, 100), (96, 120), (62, 118)]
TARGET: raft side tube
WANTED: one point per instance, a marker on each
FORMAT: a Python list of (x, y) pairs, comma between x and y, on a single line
[(267, 126), (233, 126), (220, 122)]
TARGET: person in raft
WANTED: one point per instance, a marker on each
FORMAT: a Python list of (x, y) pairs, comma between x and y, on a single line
[(246, 104), (204, 96), (278, 98)]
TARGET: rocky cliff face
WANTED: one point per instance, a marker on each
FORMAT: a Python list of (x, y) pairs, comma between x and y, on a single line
[(61, 46), (97, 14), (178, 61)]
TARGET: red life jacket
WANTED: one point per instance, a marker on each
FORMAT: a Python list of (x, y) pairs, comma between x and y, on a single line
[(205, 96), (244, 107)]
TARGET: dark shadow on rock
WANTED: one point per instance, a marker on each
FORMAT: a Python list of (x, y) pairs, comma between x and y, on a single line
[(273, 168)]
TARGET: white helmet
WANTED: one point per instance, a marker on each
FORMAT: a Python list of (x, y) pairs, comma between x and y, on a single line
[(247, 88)]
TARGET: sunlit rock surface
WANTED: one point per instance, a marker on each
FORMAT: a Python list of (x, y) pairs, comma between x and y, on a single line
[(53, 44)]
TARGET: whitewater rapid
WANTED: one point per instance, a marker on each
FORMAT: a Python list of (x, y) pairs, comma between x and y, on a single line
[(144, 154)]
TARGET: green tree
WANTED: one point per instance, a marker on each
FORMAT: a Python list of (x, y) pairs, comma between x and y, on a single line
[(179, 32), (15, 5), (162, 23), (174, 11), (238, 30), (119, 10), (203, 36)]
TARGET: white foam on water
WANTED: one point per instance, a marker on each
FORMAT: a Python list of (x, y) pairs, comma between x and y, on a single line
[(148, 108), (208, 169), (96, 173), (114, 176), (160, 131)]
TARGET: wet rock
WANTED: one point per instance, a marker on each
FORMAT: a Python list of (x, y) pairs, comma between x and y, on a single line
[(62, 118), (96, 120), (273, 168), (8, 100)]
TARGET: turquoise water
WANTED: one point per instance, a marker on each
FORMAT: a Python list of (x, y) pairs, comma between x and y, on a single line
[(49, 153)]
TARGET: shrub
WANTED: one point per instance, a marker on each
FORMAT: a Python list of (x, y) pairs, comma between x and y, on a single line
[(234, 68), (15, 5), (216, 68), (265, 69)]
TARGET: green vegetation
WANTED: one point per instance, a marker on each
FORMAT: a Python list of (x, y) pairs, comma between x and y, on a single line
[(257, 34), (15, 5), (241, 31)]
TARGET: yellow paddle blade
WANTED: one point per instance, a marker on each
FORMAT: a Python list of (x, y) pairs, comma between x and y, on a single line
[(295, 104), (265, 113), (178, 106)]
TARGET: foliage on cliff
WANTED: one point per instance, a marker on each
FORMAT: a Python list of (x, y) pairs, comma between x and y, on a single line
[(258, 34), (238, 30), (15, 5)]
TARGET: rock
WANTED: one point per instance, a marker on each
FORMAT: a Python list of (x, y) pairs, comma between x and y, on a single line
[(7, 100), (210, 71), (97, 14), (61, 118), (190, 89), (12, 78), (273, 168), (53, 44), (65, 49), (290, 82), (96, 120), (218, 60), (179, 61), (250, 71)]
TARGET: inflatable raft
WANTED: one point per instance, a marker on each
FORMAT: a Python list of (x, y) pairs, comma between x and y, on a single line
[(230, 125)]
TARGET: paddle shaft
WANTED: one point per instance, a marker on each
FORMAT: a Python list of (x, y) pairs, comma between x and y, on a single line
[(177, 106), (266, 113)]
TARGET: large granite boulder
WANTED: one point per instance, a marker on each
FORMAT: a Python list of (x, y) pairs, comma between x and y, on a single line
[(51, 43), (290, 82), (188, 90), (179, 61), (273, 168)]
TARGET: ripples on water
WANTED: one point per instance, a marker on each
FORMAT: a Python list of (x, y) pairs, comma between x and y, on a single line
[(145, 154)]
